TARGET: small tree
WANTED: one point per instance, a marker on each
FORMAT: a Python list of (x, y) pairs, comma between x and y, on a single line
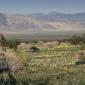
[(13, 44), (3, 42)]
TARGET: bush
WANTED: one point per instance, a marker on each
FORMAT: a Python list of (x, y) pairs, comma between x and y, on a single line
[(77, 39), (34, 49), (13, 44), (3, 41), (8, 43), (80, 58)]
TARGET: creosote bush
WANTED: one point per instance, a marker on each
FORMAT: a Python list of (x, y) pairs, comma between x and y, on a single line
[(77, 39), (80, 58), (8, 43)]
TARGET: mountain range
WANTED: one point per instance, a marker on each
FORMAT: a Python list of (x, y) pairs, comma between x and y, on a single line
[(41, 22)]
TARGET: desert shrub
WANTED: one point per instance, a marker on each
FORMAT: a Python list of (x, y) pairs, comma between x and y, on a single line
[(77, 39), (3, 41), (56, 43), (12, 80), (34, 49), (82, 47), (50, 44), (7, 79), (41, 81), (8, 43), (80, 58), (40, 43), (13, 44), (24, 46)]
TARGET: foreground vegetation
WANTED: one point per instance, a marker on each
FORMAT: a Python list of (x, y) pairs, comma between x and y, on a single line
[(44, 63)]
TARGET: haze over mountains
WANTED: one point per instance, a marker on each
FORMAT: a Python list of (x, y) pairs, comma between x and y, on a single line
[(41, 22)]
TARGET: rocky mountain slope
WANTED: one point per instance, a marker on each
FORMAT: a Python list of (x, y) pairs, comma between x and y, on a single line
[(41, 22)]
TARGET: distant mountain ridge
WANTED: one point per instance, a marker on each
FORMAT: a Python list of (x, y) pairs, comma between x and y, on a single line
[(60, 16), (41, 22)]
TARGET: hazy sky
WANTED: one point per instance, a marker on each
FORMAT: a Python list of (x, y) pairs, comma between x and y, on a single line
[(44, 6)]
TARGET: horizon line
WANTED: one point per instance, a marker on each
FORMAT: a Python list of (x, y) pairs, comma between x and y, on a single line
[(17, 13)]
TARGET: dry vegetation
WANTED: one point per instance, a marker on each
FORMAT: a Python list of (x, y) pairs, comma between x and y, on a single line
[(53, 64)]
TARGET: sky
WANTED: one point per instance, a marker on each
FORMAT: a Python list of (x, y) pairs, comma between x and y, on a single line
[(42, 6)]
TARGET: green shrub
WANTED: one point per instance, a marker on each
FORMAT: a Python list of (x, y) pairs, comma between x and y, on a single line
[(77, 39)]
